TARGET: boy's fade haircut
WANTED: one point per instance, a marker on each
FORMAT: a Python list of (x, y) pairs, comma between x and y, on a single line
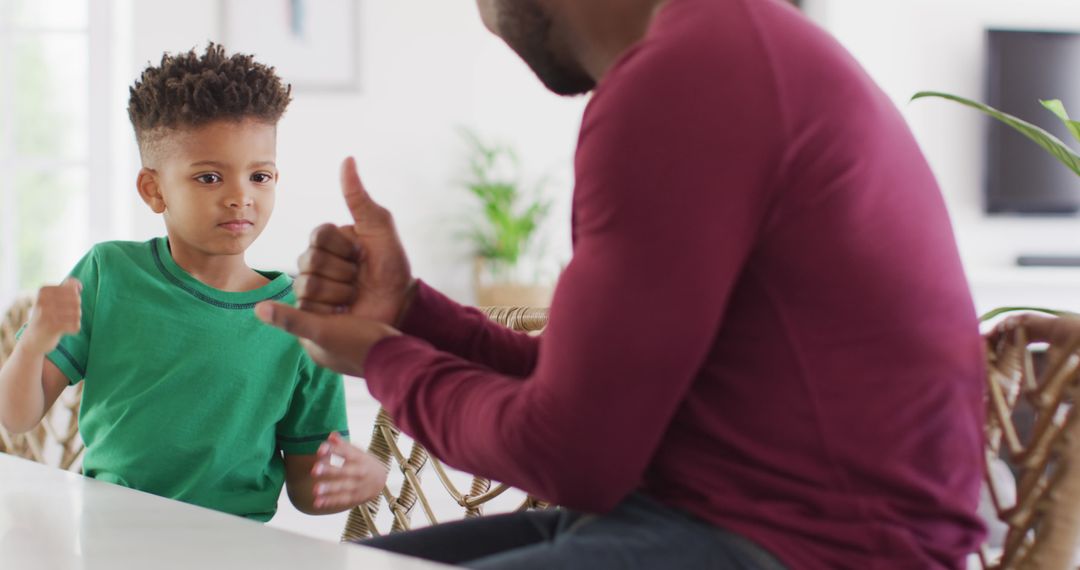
[(190, 90)]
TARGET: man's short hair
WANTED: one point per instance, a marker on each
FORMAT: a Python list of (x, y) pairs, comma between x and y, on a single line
[(190, 90)]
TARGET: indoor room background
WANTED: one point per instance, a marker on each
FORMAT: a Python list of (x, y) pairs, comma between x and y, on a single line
[(424, 70)]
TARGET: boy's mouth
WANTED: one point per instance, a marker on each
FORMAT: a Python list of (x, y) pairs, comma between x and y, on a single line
[(236, 226)]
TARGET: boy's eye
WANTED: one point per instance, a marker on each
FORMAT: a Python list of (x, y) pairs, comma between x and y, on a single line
[(209, 178), (262, 177)]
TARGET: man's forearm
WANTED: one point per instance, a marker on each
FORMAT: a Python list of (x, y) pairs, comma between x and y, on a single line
[(467, 333), (22, 396)]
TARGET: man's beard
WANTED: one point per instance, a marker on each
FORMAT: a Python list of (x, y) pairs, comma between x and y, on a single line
[(527, 29)]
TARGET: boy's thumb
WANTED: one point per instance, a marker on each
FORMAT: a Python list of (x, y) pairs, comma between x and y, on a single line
[(289, 319), (72, 282)]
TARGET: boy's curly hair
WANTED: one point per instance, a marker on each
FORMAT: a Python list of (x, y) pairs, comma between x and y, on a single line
[(189, 90)]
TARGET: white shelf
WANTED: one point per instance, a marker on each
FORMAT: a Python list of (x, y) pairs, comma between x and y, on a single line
[(1051, 287)]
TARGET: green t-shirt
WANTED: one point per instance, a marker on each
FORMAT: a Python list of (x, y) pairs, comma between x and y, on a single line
[(187, 394)]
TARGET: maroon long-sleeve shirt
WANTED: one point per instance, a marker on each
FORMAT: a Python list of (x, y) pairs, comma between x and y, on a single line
[(765, 321)]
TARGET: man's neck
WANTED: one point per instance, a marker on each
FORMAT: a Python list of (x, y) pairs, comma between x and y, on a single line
[(605, 30)]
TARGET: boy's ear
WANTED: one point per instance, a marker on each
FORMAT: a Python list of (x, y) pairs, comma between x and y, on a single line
[(150, 190)]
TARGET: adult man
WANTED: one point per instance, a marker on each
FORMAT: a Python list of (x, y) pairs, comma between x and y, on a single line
[(763, 352)]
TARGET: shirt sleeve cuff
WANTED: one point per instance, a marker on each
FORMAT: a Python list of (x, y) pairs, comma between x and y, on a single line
[(62, 359), (306, 445), (428, 312)]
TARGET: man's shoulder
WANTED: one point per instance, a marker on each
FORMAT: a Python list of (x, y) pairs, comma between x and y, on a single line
[(726, 46), (695, 52)]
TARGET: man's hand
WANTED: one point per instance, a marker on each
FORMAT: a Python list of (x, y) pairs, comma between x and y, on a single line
[(345, 476), (57, 311), (338, 342), (362, 269), (1059, 331), (353, 286)]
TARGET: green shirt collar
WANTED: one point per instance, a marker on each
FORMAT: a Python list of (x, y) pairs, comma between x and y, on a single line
[(279, 286)]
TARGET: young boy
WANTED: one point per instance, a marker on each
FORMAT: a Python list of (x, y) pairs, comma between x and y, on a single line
[(187, 394)]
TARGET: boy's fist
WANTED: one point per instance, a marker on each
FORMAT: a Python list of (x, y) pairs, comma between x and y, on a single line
[(57, 311)]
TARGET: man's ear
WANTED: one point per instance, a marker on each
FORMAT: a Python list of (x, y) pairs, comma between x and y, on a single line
[(150, 190)]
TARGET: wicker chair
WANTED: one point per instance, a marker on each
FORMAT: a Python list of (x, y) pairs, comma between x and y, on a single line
[(361, 522), (1033, 425), (55, 441)]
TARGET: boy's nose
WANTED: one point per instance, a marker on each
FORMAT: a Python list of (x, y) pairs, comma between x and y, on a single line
[(240, 197)]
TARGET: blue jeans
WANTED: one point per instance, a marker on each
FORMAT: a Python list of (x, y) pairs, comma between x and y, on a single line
[(639, 533)]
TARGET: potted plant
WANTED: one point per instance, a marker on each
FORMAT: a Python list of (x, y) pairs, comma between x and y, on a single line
[(1052, 144), (503, 234), (1037, 407)]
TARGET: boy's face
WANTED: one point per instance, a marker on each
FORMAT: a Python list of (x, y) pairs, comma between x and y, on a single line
[(214, 184)]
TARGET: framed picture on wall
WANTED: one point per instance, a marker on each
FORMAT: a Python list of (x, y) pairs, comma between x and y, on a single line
[(313, 44)]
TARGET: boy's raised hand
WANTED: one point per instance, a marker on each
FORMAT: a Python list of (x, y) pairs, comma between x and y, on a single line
[(345, 476), (57, 311)]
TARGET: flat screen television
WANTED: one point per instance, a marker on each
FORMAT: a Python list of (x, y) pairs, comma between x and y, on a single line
[(1023, 67)]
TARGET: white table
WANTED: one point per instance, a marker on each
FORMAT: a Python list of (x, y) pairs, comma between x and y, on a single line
[(55, 520)]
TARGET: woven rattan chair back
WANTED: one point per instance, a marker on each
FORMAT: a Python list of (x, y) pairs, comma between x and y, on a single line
[(55, 441), (1040, 383), (361, 522)]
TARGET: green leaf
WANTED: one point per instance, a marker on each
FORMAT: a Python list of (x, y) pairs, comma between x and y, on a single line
[(1058, 108), (1002, 310), (1044, 139), (508, 216)]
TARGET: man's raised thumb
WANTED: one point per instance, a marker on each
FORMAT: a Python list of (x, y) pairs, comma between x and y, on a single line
[(356, 196)]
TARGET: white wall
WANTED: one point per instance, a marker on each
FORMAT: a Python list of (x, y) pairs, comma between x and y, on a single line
[(937, 45), (428, 67)]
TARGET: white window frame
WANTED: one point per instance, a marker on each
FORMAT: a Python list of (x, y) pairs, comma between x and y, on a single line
[(99, 32)]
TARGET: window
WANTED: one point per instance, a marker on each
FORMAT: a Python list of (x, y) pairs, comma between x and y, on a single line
[(49, 149)]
